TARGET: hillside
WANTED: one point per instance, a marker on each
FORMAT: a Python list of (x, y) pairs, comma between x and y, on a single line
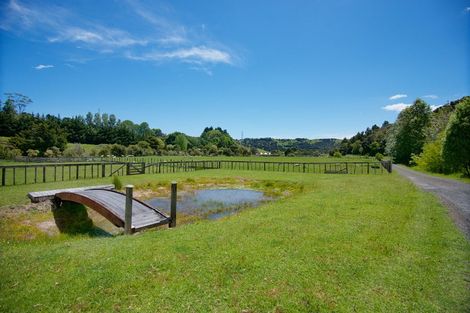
[(309, 146)]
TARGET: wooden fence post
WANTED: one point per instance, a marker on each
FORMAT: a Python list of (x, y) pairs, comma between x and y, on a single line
[(173, 205), (128, 211), (43, 174), (103, 170), (4, 170)]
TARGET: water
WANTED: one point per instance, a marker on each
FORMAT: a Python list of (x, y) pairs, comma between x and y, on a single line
[(212, 203)]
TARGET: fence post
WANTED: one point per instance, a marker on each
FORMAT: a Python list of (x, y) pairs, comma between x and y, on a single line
[(128, 211), (103, 170), (4, 170), (173, 205), (43, 174)]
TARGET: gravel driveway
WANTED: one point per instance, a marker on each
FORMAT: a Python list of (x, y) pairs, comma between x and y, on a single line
[(454, 194)]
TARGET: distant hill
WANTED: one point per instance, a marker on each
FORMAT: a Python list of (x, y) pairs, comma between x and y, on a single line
[(307, 146)]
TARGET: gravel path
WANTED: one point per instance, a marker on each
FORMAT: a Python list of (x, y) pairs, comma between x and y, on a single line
[(454, 194)]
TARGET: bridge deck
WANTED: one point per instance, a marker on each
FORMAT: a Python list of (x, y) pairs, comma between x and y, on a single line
[(39, 196), (111, 204)]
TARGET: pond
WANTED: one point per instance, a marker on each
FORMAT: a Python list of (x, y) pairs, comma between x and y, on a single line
[(212, 203)]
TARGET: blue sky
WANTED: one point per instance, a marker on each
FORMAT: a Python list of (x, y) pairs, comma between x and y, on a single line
[(283, 69)]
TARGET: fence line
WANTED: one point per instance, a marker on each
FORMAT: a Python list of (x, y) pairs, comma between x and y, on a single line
[(42, 173)]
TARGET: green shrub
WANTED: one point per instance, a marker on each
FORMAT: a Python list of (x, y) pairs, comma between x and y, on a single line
[(74, 151), (337, 154), (431, 158), (379, 156), (32, 153), (117, 182), (118, 150)]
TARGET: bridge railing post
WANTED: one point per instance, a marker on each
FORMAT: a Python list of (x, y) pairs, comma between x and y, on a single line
[(173, 205), (128, 211)]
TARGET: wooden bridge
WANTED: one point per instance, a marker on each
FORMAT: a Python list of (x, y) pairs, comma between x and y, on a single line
[(111, 204)]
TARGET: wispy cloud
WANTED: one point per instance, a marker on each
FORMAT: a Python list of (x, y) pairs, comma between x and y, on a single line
[(431, 96), (99, 37), (397, 107), (43, 66), (397, 96), (467, 10), (195, 55), (162, 39)]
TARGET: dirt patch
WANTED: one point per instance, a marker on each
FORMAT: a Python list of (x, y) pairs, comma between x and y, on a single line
[(45, 206), (48, 227)]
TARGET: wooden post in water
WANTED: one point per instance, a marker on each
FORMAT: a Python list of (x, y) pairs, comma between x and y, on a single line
[(128, 211), (173, 205)]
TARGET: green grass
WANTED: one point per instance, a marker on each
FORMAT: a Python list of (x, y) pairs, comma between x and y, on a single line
[(85, 146), (346, 243), (454, 176)]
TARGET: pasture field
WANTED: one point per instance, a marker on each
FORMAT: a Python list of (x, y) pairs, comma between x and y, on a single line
[(342, 243), (159, 158), (17, 173)]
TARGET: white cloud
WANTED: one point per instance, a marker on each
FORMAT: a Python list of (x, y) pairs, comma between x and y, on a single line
[(433, 107), (195, 55), (101, 37), (43, 66), (467, 9), (198, 54), (397, 107), (159, 39), (430, 96), (397, 96)]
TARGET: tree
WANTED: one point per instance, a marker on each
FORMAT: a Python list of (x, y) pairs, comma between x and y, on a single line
[(19, 101), (118, 150), (41, 136), (182, 142), (156, 143), (456, 147), (89, 119), (356, 147), (8, 119), (409, 132)]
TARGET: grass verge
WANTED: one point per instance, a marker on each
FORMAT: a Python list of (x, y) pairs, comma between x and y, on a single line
[(345, 243)]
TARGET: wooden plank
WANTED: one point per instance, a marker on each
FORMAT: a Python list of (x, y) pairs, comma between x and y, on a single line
[(39, 196)]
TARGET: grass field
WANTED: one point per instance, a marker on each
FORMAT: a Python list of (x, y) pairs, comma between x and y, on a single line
[(31, 173), (364, 243)]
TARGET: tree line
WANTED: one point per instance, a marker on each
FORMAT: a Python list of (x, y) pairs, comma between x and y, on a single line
[(436, 141), (48, 135)]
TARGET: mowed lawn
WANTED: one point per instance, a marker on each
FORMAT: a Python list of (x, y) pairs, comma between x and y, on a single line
[(346, 243)]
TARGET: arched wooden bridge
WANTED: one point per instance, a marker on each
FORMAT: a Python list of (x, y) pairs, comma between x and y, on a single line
[(111, 204)]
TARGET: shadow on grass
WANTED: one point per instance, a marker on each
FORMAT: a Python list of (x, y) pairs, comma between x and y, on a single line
[(72, 218)]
